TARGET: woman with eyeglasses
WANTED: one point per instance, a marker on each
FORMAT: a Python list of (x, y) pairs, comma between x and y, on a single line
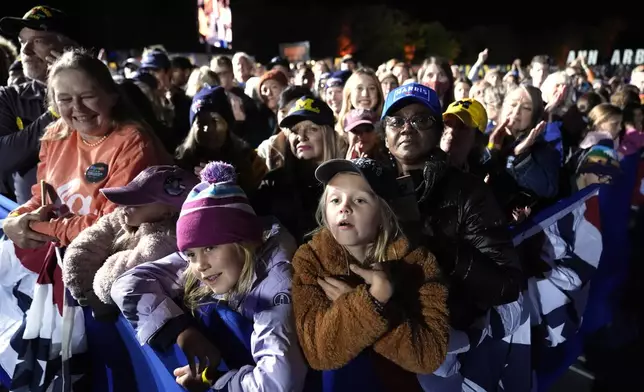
[(458, 219)]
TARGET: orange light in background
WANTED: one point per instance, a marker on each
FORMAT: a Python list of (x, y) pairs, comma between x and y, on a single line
[(410, 52), (345, 46)]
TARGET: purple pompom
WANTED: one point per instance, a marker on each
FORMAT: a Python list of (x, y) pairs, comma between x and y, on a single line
[(218, 171)]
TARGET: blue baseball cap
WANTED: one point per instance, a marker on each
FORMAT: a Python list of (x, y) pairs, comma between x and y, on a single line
[(156, 59), (412, 93)]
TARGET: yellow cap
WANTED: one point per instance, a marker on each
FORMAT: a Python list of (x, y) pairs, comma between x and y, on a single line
[(470, 112)]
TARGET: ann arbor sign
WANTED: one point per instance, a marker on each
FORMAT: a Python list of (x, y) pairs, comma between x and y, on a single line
[(619, 56)]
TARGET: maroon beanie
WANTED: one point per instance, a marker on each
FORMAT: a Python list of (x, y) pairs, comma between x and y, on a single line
[(275, 75)]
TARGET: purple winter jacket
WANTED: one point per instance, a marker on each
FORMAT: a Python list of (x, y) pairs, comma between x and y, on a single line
[(146, 293)]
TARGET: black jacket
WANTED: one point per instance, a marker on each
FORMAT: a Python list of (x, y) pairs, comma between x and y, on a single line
[(19, 148), (291, 194), (463, 225), (256, 128)]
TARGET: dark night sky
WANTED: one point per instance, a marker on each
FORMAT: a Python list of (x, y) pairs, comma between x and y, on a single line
[(260, 25)]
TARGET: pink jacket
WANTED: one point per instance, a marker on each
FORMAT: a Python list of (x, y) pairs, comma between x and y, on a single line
[(95, 258), (632, 141)]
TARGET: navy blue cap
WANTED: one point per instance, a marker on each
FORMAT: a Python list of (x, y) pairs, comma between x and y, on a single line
[(213, 100), (156, 59), (307, 108), (412, 93), (338, 79), (381, 178), (277, 60)]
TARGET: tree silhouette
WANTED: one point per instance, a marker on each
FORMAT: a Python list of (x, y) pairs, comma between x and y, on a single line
[(379, 33), (437, 40)]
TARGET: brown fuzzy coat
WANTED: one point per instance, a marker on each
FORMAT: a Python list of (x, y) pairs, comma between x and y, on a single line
[(96, 257), (333, 333)]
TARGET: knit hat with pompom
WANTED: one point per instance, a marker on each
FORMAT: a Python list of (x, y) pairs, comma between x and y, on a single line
[(217, 211)]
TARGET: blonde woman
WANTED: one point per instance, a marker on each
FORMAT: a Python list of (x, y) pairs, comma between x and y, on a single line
[(232, 260), (97, 141), (370, 309), (605, 124), (200, 78), (290, 192), (362, 91)]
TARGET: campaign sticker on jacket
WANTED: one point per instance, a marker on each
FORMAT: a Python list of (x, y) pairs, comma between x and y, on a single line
[(96, 173)]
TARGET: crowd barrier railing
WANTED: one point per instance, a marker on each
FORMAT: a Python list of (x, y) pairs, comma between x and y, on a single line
[(6, 206), (149, 370)]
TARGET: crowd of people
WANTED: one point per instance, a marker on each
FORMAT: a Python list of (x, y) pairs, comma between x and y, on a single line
[(354, 222)]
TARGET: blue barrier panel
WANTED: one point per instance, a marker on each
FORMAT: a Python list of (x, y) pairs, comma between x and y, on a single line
[(6, 206), (552, 363), (152, 369), (5, 380), (113, 366), (614, 204)]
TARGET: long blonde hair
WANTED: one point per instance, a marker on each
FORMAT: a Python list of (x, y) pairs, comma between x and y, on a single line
[(351, 84), (388, 232), (334, 146), (197, 294)]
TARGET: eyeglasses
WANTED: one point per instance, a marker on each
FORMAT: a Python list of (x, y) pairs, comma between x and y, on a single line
[(418, 122)]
